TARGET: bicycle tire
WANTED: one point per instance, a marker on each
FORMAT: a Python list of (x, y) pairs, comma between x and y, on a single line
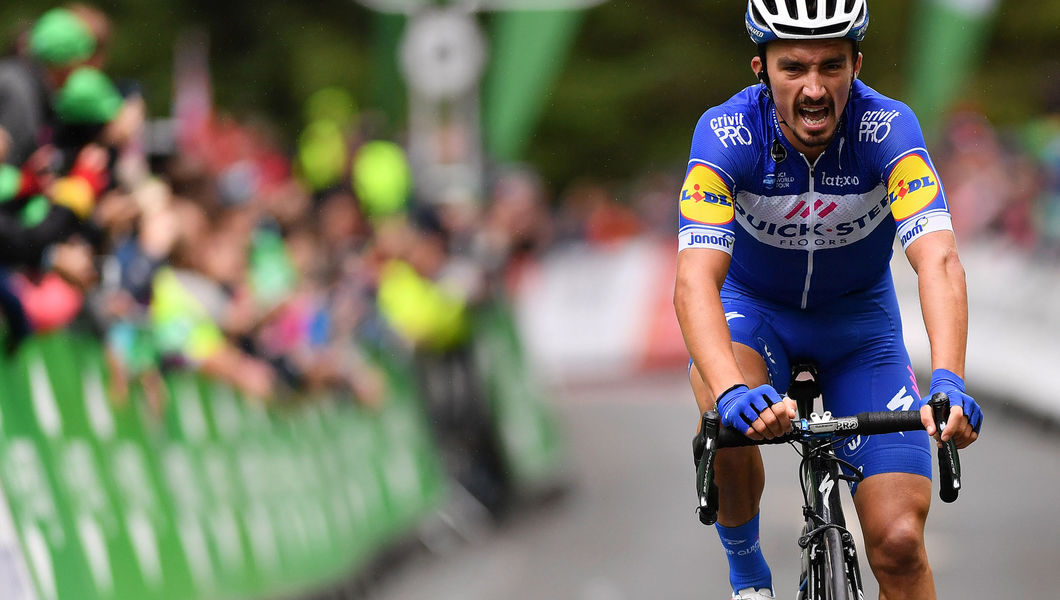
[(835, 577)]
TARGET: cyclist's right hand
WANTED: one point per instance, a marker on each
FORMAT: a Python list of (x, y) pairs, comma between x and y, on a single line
[(761, 413)]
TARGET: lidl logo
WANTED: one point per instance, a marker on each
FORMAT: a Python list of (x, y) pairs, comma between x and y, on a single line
[(705, 198), (912, 186)]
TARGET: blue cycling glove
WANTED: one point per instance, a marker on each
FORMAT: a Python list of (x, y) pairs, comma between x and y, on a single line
[(953, 386), (740, 406)]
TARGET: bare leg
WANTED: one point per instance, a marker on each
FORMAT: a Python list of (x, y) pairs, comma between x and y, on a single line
[(893, 508)]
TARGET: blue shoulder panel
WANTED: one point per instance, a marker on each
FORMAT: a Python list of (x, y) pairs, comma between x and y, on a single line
[(723, 147)]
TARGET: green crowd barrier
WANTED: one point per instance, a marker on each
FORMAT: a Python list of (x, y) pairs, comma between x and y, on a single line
[(130, 469), (526, 426), (94, 554), (37, 512), (215, 498), (204, 482)]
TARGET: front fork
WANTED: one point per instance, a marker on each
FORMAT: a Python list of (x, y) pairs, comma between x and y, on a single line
[(810, 588), (825, 516)]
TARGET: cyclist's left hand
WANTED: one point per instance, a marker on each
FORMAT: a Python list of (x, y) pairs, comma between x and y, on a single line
[(966, 418)]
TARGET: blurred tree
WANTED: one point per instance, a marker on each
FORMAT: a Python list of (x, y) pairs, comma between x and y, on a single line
[(640, 75), (266, 57)]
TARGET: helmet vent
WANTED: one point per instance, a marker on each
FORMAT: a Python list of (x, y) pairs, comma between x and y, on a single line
[(811, 31), (831, 8), (811, 7), (757, 16), (768, 20)]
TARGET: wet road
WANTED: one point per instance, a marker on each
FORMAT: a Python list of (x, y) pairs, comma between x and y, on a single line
[(627, 531)]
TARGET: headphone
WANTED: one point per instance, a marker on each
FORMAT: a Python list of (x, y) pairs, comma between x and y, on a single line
[(764, 78), (777, 151)]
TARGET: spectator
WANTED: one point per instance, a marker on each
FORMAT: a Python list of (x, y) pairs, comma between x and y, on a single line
[(58, 42)]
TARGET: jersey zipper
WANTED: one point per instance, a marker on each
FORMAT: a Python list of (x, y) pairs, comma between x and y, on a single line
[(812, 223)]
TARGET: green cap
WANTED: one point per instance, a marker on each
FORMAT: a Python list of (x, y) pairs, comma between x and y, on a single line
[(88, 96), (382, 178), (10, 181), (35, 211), (60, 37)]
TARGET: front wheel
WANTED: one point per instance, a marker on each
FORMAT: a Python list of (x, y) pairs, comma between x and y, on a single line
[(834, 572)]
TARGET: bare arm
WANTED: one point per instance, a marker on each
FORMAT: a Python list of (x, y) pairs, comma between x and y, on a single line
[(944, 304), (697, 300), (943, 298)]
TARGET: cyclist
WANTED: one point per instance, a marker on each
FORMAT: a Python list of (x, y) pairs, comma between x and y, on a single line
[(795, 191)]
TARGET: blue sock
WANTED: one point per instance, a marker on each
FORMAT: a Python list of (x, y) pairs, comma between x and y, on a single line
[(747, 566)]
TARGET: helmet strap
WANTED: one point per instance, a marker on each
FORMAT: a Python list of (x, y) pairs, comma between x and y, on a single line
[(763, 75)]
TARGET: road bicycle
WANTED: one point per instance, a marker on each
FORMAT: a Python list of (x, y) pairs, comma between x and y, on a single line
[(829, 556)]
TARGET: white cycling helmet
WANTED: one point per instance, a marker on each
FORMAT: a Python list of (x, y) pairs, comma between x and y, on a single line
[(769, 20)]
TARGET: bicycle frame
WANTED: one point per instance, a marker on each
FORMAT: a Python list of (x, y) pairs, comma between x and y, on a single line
[(830, 564), (829, 554)]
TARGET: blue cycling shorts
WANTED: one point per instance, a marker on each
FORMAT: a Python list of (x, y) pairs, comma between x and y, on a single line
[(856, 344)]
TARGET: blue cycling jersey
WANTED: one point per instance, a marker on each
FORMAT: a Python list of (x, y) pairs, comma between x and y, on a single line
[(803, 234)]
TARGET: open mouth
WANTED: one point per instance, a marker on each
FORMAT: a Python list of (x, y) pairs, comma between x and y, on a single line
[(814, 117)]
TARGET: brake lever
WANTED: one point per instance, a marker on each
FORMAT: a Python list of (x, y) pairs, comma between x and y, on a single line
[(705, 488), (949, 461)]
